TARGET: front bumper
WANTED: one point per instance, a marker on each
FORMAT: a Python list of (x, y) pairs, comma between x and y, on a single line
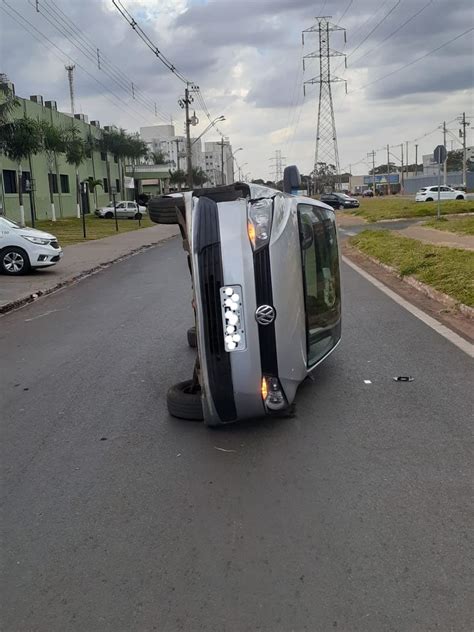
[(43, 256)]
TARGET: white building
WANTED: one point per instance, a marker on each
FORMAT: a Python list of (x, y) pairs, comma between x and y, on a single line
[(163, 138), (218, 161)]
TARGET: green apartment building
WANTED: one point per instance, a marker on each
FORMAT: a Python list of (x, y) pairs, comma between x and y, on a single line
[(99, 166)]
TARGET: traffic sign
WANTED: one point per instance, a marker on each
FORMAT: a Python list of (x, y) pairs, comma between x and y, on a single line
[(439, 154)]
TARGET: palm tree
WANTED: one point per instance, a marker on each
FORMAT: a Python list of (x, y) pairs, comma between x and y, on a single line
[(177, 177), (19, 140), (200, 177), (158, 157), (75, 155), (54, 142), (8, 100)]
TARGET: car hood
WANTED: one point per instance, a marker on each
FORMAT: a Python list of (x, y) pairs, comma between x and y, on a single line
[(34, 232)]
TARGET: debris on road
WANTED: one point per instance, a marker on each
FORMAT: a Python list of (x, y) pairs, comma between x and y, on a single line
[(223, 449), (404, 378)]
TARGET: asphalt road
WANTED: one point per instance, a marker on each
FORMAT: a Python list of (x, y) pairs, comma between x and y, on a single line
[(353, 515)]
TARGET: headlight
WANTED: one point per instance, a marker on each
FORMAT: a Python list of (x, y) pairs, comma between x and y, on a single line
[(37, 240), (272, 394), (259, 222)]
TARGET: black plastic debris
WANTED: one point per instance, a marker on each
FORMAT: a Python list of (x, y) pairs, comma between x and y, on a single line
[(404, 378)]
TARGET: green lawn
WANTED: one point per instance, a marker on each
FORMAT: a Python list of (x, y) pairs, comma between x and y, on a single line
[(393, 207), (459, 225), (449, 270), (69, 231)]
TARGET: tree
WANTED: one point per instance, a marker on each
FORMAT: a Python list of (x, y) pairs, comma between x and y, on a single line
[(123, 145), (18, 141), (75, 154), (200, 177), (54, 142), (8, 100), (158, 157), (177, 177), (325, 176)]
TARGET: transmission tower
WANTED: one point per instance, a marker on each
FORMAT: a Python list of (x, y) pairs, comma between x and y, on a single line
[(70, 78), (326, 138), (278, 165)]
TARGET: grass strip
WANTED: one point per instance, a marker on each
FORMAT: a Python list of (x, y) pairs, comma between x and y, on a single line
[(69, 231), (458, 225), (449, 270), (376, 209)]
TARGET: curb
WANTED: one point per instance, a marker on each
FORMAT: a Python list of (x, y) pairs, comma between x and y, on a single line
[(31, 298), (419, 285)]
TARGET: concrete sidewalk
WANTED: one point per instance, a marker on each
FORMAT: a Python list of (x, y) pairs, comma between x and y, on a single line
[(438, 237), (79, 260)]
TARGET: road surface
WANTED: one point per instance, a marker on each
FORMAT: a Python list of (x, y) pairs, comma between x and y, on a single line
[(353, 515)]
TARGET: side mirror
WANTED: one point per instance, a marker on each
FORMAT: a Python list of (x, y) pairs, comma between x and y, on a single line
[(291, 179), (306, 235)]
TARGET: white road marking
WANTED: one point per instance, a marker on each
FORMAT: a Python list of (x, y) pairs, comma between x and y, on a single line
[(441, 329), (51, 311), (367, 382)]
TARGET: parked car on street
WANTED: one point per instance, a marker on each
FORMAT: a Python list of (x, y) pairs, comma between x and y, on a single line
[(266, 296), (339, 200), (24, 248), (130, 210), (368, 193), (430, 194)]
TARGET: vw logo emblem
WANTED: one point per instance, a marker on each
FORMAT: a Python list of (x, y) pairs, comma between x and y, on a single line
[(265, 315)]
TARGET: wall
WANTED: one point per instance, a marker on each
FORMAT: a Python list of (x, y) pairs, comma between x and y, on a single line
[(65, 203), (412, 185)]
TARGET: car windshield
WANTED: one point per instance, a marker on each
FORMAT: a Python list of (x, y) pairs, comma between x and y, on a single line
[(423, 190), (344, 196), (109, 205), (10, 223)]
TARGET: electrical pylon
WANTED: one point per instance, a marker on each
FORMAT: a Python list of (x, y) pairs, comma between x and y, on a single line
[(278, 166), (326, 150)]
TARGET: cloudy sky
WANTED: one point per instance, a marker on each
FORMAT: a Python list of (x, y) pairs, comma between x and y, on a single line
[(246, 57)]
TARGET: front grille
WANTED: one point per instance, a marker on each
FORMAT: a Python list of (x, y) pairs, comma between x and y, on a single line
[(55, 258), (207, 244), (54, 244), (264, 296)]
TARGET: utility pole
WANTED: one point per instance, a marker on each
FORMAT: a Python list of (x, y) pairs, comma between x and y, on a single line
[(401, 173), (177, 153), (388, 170), (326, 150), (445, 165), (406, 159), (185, 103), (70, 77), (222, 160), (278, 166), (462, 134), (372, 155), (416, 160)]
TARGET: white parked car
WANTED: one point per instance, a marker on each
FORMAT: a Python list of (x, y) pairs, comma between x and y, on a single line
[(24, 248), (130, 210), (430, 194)]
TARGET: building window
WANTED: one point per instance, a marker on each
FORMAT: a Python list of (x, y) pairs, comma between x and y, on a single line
[(103, 155), (9, 181), (53, 182), (106, 185), (26, 182), (64, 178), (117, 185), (115, 159)]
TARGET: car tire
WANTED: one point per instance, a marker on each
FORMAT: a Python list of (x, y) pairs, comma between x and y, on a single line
[(14, 261), (192, 337), (460, 197), (138, 216), (163, 210), (429, 200), (184, 404), (109, 215)]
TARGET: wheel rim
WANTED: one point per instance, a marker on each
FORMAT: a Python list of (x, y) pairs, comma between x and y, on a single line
[(13, 262)]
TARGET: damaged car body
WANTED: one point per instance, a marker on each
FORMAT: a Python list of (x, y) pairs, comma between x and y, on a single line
[(267, 299)]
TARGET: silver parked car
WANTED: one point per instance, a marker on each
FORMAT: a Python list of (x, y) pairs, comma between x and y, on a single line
[(129, 210), (267, 299)]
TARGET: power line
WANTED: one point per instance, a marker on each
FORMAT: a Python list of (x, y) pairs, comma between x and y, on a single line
[(42, 38), (67, 29), (414, 61), (399, 28), (375, 28), (345, 11)]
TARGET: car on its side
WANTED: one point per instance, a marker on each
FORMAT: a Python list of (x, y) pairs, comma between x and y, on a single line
[(430, 194), (24, 248), (266, 296), (339, 200), (125, 209)]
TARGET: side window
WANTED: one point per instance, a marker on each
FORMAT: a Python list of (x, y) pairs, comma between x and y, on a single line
[(321, 279), (121, 205), (445, 189)]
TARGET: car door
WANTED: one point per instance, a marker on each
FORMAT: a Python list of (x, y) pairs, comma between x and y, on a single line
[(122, 209), (132, 209), (446, 193), (321, 280)]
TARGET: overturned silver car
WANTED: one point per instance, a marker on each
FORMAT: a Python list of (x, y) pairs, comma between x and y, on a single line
[(267, 299)]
